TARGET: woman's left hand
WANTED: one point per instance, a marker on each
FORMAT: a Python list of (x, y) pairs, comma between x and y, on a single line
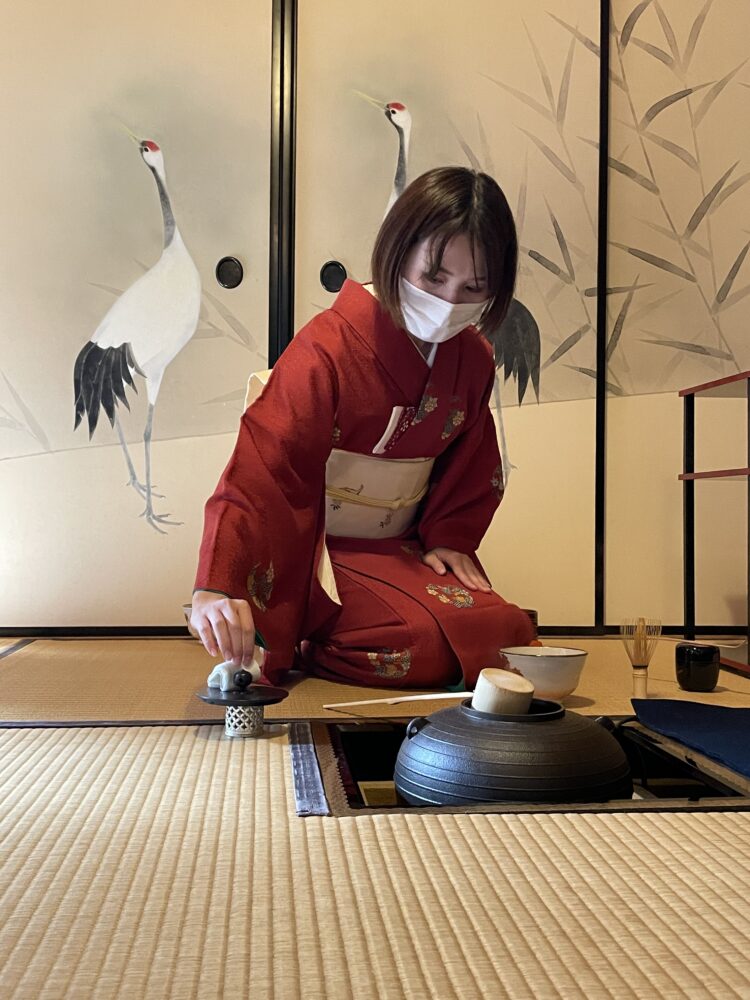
[(461, 565)]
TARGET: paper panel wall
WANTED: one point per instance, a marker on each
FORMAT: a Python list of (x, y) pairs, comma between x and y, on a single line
[(679, 199), (82, 222), (513, 89)]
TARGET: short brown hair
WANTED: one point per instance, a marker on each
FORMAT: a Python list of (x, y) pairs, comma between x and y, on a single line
[(438, 205)]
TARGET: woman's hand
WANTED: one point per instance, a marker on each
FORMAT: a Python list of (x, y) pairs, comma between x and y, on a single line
[(224, 625), (461, 565)]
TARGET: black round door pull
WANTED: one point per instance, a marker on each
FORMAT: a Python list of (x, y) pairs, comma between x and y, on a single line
[(229, 272), (332, 275)]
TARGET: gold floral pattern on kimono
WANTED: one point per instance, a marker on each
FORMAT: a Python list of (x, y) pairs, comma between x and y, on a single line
[(411, 550), (459, 597), (427, 405), (336, 435), (497, 482), (260, 586), (387, 519), (454, 421), (391, 663)]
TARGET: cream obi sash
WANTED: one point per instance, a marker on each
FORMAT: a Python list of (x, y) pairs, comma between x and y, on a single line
[(367, 496), (372, 497)]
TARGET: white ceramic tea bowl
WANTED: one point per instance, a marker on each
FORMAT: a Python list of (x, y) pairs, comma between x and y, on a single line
[(553, 670)]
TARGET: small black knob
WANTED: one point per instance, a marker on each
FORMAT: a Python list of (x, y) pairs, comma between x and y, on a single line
[(332, 275), (242, 679), (229, 272)]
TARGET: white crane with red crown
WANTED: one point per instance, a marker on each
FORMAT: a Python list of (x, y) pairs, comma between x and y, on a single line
[(145, 329), (398, 115)]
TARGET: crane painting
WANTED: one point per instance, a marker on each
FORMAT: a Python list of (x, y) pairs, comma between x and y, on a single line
[(398, 115), (516, 345), (144, 330)]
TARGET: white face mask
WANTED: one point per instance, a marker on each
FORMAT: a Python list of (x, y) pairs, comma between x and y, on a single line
[(432, 319)]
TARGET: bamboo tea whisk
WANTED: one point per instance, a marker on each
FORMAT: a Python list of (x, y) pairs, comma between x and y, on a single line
[(640, 636)]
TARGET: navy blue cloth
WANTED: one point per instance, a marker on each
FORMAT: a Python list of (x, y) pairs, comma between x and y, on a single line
[(720, 733)]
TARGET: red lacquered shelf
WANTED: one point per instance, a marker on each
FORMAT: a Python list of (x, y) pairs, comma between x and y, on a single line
[(716, 474), (731, 387), (735, 659)]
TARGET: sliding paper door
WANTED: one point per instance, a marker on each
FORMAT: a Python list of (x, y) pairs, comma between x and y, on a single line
[(512, 89), (678, 317), (136, 158)]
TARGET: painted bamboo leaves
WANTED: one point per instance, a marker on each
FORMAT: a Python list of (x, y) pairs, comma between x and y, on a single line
[(679, 268), (563, 268), (687, 262), (17, 416)]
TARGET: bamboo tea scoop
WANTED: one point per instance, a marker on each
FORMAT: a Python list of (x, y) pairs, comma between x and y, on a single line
[(509, 693), (437, 696)]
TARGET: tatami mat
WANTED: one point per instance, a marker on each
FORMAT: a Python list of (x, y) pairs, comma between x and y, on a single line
[(63, 680), (166, 863), (140, 680), (155, 680), (606, 684)]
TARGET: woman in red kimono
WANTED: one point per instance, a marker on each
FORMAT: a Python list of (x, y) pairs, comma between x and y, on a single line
[(346, 524)]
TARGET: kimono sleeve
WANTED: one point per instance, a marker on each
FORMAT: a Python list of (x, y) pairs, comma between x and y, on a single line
[(266, 515), (466, 486)]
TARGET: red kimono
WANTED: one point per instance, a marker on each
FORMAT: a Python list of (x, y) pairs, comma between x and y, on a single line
[(398, 624)]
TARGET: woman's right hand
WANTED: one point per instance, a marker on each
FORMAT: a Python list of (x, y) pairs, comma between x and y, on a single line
[(224, 625)]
